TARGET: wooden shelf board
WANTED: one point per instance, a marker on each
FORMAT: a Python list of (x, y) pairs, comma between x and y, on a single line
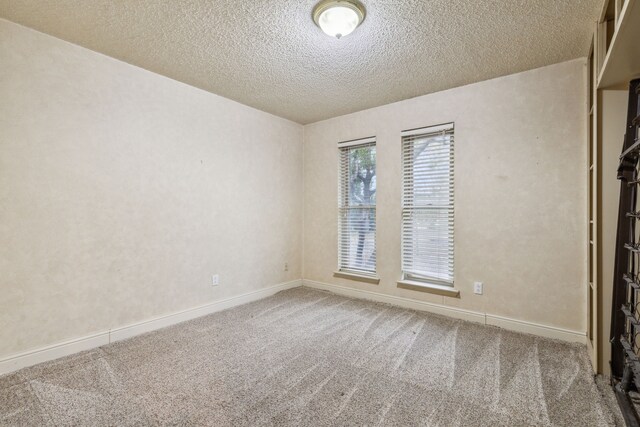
[(622, 62)]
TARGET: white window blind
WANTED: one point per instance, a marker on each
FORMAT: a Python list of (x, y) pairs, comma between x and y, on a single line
[(357, 206), (427, 204)]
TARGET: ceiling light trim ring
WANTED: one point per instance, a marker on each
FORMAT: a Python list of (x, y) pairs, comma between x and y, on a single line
[(325, 5)]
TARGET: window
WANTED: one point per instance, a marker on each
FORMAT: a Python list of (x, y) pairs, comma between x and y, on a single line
[(427, 205), (357, 207)]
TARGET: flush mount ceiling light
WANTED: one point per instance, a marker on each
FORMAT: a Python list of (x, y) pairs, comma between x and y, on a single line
[(338, 18)]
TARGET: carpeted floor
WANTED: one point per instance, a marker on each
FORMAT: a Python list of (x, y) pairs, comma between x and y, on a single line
[(310, 358)]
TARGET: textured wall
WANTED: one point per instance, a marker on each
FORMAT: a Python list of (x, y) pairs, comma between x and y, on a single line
[(520, 191), (122, 191)]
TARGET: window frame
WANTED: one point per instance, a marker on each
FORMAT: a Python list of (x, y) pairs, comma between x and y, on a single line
[(345, 206), (409, 274)]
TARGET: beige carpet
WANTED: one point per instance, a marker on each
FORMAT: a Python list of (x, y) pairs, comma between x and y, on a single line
[(311, 358)]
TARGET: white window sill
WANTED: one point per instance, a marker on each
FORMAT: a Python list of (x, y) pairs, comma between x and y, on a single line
[(355, 276), (447, 291)]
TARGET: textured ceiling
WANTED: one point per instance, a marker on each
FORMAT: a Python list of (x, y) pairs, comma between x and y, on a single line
[(268, 53)]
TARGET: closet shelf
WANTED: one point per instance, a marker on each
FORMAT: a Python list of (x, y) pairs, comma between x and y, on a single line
[(619, 65)]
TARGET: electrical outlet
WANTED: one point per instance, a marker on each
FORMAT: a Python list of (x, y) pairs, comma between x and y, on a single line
[(286, 266), (215, 280), (477, 288)]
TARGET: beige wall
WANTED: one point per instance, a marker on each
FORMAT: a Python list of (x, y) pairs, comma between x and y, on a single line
[(122, 192), (520, 189), (612, 124)]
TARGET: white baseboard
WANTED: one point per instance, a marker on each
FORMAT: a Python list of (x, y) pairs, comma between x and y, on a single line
[(66, 348), (51, 352), (458, 313), (537, 329), (444, 310), (124, 332)]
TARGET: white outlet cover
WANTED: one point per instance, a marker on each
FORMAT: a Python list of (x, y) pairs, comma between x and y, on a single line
[(477, 288), (215, 280)]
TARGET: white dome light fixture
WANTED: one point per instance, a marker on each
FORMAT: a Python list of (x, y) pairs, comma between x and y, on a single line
[(338, 18)]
